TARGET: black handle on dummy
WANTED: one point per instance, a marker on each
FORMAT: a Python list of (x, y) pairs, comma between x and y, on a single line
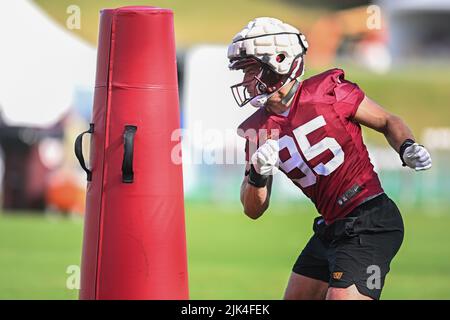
[(128, 150), (79, 151)]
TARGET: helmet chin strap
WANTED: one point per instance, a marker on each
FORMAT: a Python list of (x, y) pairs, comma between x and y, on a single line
[(291, 92)]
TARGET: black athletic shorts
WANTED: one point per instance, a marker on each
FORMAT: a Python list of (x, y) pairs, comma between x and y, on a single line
[(357, 249)]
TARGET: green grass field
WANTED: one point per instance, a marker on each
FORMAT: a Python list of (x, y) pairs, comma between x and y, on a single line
[(230, 256)]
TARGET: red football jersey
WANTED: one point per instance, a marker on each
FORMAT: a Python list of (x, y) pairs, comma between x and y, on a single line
[(321, 148)]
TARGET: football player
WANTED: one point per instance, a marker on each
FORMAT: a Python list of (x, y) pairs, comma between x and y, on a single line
[(311, 131)]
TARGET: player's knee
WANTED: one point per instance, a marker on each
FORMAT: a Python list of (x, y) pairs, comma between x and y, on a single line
[(304, 288), (306, 294), (350, 293)]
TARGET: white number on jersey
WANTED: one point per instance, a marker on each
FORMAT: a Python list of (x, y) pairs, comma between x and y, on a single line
[(310, 152), (296, 161)]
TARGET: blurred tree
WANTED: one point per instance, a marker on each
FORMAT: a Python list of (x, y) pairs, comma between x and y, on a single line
[(330, 4), (196, 21)]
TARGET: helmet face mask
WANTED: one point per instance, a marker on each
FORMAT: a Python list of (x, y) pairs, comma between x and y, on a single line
[(241, 94), (245, 91), (252, 84), (260, 79)]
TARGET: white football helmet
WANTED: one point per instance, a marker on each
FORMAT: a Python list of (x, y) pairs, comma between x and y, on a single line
[(276, 48)]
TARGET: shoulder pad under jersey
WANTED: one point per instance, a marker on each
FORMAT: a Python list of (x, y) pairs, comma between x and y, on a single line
[(326, 87)]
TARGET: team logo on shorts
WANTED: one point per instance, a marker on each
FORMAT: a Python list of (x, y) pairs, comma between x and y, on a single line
[(337, 275)]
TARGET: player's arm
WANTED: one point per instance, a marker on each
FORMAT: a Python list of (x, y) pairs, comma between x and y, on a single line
[(257, 184), (397, 133), (255, 200), (371, 115)]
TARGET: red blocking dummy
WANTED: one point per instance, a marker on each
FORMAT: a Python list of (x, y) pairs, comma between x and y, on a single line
[(134, 235)]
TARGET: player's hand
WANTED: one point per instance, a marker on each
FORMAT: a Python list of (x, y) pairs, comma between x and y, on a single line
[(417, 157), (265, 160)]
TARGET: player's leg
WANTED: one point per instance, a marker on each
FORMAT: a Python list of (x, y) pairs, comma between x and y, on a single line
[(304, 288), (350, 293), (361, 266), (310, 274), (359, 263)]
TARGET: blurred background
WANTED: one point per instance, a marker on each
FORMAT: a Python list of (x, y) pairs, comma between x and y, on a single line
[(397, 51)]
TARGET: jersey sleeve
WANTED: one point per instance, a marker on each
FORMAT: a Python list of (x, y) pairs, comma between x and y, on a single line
[(348, 97)]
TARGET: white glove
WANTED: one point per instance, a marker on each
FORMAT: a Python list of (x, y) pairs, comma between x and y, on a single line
[(417, 157), (266, 159)]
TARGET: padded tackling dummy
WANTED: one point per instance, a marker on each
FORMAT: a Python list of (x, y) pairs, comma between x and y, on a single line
[(134, 235)]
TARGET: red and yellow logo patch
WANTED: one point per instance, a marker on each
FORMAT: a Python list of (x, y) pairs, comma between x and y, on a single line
[(337, 275)]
